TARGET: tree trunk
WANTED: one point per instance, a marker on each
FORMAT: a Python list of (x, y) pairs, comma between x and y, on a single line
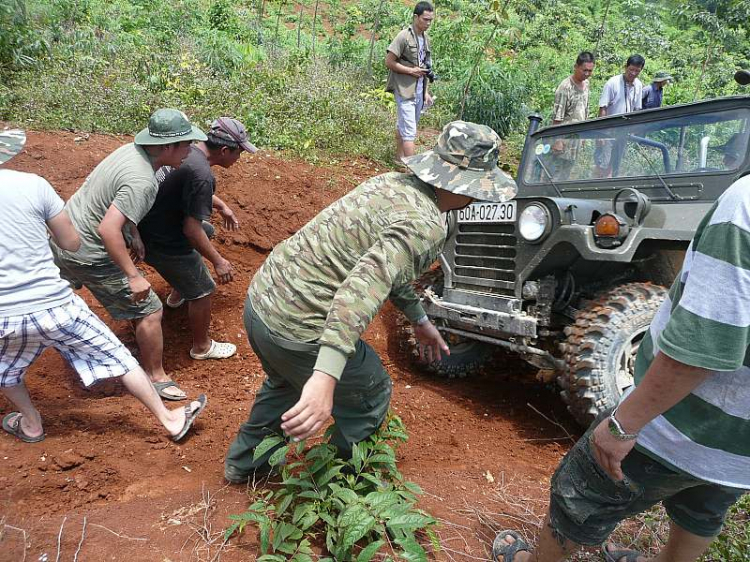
[(703, 71), (375, 27), (275, 42), (299, 25), (474, 69), (602, 27), (315, 21)]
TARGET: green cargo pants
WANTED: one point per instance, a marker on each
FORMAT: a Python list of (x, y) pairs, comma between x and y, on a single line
[(360, 401)]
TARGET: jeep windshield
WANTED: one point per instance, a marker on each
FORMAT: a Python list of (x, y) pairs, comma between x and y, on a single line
[(664, 149)]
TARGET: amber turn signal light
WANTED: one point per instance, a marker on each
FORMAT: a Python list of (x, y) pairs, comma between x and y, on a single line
[(607, 225)]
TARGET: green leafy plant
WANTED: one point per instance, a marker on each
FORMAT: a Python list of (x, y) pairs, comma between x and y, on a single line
[(734, 541), (354, 508)]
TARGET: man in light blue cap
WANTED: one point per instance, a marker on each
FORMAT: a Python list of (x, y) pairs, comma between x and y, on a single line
[(39, 310), (114, 198)]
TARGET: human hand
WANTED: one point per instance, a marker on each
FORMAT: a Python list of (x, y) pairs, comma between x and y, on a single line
[(429, 101), (229, 219), (609, 451), (313, 408), (224, 270), (137, 250), (431, 344), (417, 72), (139, 286)]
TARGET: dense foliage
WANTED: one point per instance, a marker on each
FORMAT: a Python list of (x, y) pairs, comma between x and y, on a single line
[(309, 75), (359, 509)]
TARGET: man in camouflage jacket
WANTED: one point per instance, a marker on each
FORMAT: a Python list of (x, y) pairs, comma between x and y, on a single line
[(312, 299)]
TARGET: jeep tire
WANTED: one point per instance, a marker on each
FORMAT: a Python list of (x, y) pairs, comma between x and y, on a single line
[(467, 356), (466, 359), (601, 346)]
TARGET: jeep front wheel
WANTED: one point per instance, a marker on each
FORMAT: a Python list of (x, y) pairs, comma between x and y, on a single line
[(601, 347), (467, 356), (466, 359)]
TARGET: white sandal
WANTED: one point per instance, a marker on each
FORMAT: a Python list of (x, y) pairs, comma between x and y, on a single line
[(218, 350)]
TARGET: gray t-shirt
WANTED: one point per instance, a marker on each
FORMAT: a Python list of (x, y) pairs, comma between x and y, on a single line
[(29, 279), (619, 97), (124, 179)]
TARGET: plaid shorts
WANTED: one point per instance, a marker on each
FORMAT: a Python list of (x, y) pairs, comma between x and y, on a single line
[(77, 333)]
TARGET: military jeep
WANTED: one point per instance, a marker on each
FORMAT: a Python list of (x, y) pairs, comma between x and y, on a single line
[(570, 273)]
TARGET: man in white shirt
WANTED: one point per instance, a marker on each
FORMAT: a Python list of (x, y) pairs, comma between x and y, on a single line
[(38, 309), (621, 94)]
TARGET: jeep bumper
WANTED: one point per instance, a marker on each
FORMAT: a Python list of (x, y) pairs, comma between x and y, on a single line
[(504, 319)]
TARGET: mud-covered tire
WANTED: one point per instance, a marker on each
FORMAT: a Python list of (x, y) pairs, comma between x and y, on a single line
[(467, 359), (467, 356), (601, 345)]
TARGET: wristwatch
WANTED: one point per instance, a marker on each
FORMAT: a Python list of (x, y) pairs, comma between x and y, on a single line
[(616, 429)]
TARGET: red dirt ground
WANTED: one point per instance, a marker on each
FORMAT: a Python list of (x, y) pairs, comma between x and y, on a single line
[(480, 448)]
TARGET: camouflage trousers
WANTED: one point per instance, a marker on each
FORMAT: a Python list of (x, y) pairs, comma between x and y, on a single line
[(360, 401)]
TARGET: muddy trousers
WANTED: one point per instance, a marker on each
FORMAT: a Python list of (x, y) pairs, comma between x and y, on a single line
[(360, 401)]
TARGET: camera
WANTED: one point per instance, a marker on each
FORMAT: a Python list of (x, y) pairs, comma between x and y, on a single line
[(430, 74)]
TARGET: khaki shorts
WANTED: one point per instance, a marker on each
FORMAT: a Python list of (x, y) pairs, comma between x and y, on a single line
[(108, 284), (407, 117)]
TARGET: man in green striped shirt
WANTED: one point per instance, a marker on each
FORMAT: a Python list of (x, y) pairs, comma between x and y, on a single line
[(682, 436)]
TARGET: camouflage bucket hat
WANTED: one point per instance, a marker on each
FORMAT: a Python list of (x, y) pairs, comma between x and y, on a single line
[(662, 76), (167, 126), (11, 143), (464, 161)]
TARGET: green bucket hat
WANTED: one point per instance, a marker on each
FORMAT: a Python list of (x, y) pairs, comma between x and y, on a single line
[(662, 76), (11, 143), (464, 161), (167, 126)]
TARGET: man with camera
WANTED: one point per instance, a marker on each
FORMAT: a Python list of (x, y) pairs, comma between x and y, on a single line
[(409, 61)]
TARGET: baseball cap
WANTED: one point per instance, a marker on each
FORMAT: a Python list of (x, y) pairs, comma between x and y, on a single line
[(167, 126), (228, 129)]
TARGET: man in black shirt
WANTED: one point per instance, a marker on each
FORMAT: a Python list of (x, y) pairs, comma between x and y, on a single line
[(174, 230)]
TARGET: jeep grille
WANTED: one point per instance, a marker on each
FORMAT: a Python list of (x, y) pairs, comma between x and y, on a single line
[(486, 258)]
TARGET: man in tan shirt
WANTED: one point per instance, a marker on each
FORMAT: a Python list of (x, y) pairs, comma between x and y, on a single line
[(409, 61), (571, 106)]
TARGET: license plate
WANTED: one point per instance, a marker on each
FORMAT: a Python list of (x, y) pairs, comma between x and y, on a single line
[(488, 212)]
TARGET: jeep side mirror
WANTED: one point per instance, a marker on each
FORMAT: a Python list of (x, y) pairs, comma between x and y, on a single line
[(636, 207), (742, 77)]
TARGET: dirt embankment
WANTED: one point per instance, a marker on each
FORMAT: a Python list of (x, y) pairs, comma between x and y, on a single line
[(478, 447)]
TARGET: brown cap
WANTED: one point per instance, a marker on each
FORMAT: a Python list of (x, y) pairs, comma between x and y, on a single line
[(228, 129)]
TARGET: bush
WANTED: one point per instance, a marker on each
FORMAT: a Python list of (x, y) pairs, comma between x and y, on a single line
[(356, 508)]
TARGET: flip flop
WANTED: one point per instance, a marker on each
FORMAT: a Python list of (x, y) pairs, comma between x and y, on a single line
[(617, 555), (218, 350), (508, 551), (17, 430), (160, 386), (190, 416), (177, 304)]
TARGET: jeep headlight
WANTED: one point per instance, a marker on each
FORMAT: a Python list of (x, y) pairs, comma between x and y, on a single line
[(534, 222)]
